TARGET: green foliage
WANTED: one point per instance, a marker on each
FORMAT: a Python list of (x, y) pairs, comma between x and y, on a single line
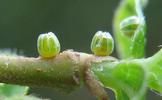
[(8, 90), (127, 47), (127, 78), (130, 78), (154, 65)]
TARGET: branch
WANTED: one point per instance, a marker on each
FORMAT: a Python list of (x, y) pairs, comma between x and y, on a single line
[(66, 72)]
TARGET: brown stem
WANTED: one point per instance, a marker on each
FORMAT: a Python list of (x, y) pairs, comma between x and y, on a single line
[(66, 72)]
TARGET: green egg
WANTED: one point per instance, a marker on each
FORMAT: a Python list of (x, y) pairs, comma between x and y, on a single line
[(129, 25), (48, 45), (102, 44)]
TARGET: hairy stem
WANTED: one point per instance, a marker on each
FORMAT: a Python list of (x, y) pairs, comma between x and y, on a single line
[(61, 72), (65, 72)]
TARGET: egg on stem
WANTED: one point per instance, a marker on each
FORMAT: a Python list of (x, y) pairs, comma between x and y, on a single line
[(48, 45), (102, 44)]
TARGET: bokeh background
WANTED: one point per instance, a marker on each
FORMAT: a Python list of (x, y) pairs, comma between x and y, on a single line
[(74, 22)]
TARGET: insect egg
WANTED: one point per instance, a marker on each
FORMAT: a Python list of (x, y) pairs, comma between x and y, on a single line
[(48, 45)]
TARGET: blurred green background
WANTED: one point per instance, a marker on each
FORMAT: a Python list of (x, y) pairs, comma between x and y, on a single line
[(74, 22)]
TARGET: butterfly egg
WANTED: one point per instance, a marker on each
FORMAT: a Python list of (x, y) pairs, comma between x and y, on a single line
[(102, 44), (48, 45), (129, 25)]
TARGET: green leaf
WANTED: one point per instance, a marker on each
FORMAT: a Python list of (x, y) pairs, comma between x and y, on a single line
[(129, 79), (126, 78), (133, 47), (8, 90), (154, 67)]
